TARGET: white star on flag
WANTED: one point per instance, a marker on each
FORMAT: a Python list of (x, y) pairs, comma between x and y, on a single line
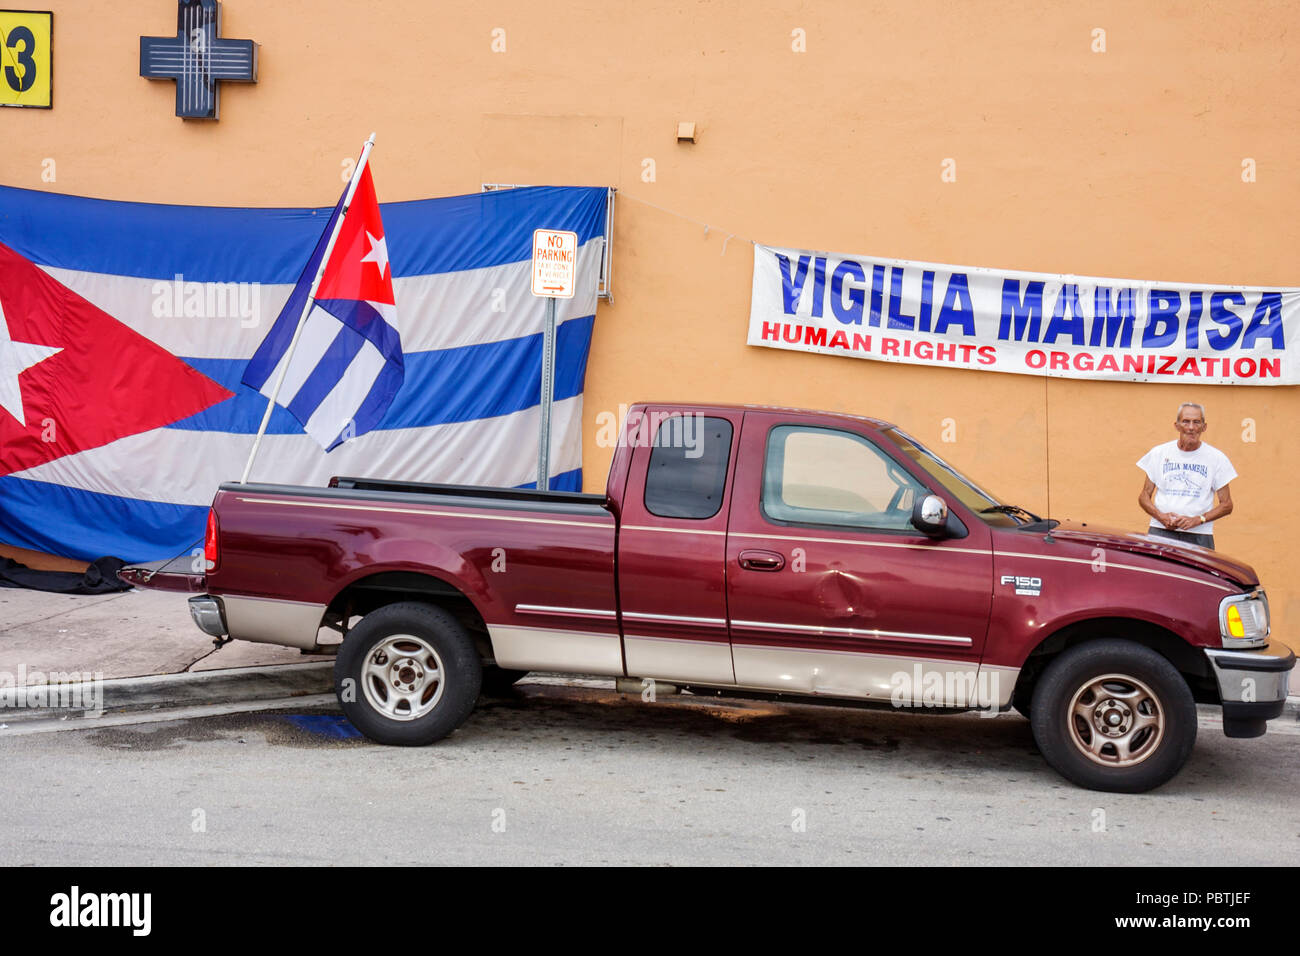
[(378, 253), (15, 358)]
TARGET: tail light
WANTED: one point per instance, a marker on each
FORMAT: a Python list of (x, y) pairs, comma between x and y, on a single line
[(211, 554)]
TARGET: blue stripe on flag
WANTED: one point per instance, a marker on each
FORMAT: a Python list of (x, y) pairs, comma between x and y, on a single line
[(448, 385), (86, 525), (363, 317), (566, 481), (327, 374), (226, 244), (377, 403), (56, 519)]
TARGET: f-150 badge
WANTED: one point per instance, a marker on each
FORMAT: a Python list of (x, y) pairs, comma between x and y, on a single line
[(1030, 586)]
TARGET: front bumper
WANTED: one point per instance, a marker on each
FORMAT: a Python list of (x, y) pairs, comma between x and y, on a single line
[(1252, 686)]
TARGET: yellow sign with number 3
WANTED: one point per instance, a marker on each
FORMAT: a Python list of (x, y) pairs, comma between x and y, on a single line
[(26, 43)]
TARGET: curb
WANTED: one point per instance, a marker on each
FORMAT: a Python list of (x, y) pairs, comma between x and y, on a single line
[(91, 699)]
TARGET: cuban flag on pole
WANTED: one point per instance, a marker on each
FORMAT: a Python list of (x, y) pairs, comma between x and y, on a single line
[(339, 375), (128, 329)]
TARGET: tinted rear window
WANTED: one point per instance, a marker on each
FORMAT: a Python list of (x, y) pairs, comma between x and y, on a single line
[(688, 467)]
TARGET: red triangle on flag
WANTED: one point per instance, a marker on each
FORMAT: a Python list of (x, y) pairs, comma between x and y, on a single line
[(106, 381)]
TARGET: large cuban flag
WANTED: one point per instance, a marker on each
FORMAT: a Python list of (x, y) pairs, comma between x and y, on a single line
[(126, 330)]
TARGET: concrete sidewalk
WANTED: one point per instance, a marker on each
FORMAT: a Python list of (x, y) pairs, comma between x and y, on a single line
[(128, 634)]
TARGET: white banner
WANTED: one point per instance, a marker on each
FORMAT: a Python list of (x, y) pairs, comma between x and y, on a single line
[(1029, 323)]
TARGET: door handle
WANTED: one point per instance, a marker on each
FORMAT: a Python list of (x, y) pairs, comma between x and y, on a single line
[(761, 560)]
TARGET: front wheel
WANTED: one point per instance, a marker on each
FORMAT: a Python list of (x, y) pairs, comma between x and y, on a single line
[(407, 674), (1113, 715)]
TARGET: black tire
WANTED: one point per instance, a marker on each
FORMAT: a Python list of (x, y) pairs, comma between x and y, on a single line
[(500, 681), (407, 674), (1100, 683)]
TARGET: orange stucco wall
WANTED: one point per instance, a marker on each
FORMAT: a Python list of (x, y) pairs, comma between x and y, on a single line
[(1125, 163)]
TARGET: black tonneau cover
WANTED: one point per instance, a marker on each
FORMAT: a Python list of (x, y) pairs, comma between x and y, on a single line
[(468, 491)]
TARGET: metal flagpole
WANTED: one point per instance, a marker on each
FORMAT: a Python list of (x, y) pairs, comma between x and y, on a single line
[(306, 308), (548, 395)]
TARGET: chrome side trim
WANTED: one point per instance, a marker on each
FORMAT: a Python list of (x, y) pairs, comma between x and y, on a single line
[(857, 632), (646, 527), (476, 515), (271, 621), (546, 610), (553, 649), (675, 618)]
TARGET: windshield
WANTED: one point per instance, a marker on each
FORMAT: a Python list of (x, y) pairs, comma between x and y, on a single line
[(954, 482)]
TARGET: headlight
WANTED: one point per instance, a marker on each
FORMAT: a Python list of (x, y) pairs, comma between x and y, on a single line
[(1243, 619)]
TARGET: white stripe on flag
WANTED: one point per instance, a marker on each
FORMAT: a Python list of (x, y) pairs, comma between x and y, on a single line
[(230, 320), (187, 466), (339, 407), (318, 333)]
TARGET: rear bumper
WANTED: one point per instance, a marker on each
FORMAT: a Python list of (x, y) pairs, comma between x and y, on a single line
[(1252, 686), (209, 615), (261, 620)]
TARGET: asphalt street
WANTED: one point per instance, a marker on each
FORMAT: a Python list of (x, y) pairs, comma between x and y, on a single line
[(583, 775)]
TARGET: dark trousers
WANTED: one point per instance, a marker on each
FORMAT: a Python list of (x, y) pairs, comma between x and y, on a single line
[(1204, 540)]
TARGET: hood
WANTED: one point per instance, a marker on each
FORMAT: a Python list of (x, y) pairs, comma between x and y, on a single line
[(1166, 549)]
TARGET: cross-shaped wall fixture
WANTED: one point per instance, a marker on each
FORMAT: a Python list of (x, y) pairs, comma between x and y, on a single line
[(197, 58)]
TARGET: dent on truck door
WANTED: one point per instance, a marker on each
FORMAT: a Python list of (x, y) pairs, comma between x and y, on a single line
[(830, 589), (672, 545)]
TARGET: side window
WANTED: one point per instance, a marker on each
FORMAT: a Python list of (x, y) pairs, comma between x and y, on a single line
[(688, 467), (824, 476)]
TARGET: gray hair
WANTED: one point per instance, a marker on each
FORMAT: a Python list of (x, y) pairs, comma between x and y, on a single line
[(1196, 405)]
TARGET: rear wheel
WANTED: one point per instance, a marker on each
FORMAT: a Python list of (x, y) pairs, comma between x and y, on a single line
[(1113, 715), (407, 674)]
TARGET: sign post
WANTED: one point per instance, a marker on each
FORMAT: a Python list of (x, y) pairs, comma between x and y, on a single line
[(555, 256)]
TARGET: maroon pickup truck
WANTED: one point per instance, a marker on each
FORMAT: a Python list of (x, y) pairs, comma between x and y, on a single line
[(759, 552)]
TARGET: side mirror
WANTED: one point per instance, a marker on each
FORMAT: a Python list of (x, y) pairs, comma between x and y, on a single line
[(930, 516)]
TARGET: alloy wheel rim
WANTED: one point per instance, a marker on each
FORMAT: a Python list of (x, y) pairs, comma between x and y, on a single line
[(1116, 720), (402, 677)]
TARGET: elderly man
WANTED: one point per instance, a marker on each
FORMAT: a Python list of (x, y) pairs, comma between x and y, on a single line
[(1189, 481)]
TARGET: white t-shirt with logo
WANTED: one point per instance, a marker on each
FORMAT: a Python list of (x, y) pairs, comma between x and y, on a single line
[(1187, 480)]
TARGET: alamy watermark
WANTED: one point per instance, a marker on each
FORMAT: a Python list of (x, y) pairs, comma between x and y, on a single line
[(658, 429), (133, 911), (960, 688), (68, 690), (208, 300)]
